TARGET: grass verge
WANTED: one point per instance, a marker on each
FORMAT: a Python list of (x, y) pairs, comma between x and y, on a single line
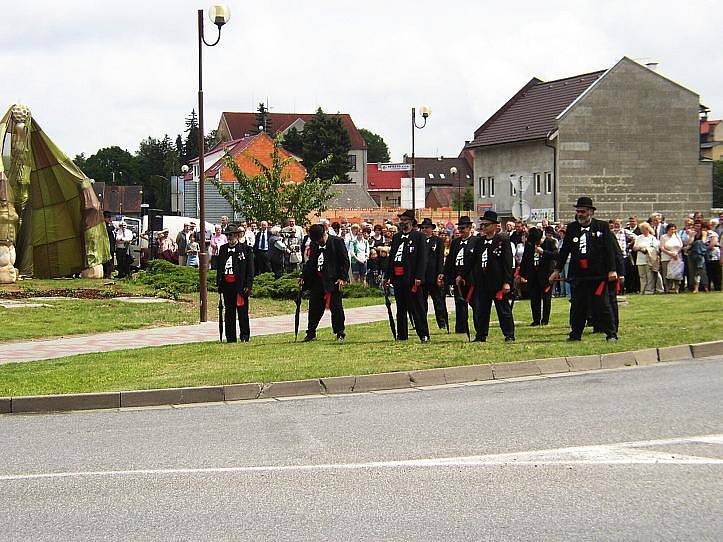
[(647, 321)]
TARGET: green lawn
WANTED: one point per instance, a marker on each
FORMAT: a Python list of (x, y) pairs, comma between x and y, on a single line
[(647, 321), (82, 316)]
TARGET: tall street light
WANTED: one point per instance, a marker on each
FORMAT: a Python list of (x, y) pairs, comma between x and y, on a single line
[(453, 173), (219, 15), (425, 112)]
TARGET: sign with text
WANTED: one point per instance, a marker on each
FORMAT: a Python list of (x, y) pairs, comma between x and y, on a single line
[(537, 215), (394, 167)]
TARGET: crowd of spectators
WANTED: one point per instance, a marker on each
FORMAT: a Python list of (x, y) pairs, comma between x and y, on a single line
[(660, 257)]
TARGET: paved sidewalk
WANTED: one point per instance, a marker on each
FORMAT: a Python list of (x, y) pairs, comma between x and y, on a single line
[(207, 332)]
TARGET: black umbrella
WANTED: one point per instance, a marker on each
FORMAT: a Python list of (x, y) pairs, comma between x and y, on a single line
[(297, 315), (388, 303), (458, 295), (220, 316), (444, 306)]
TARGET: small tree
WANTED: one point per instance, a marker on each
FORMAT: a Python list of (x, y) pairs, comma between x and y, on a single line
[(326, 137), (263, 121), (271, 194), (377, 150), (294, 142)]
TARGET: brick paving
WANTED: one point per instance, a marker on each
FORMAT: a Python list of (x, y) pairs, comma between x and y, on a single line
[(207, 332)]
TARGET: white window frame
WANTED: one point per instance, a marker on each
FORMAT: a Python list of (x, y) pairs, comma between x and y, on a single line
[(538, 183), (491, 187), (548, 182), (482, 187)]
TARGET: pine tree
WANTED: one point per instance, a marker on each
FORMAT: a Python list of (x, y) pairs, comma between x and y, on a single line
[(263, 120), (294, 142), (190, 146), (377, 150), (325, 135)]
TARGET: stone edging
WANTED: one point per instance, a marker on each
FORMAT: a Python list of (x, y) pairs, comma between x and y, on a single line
[(356, 384)]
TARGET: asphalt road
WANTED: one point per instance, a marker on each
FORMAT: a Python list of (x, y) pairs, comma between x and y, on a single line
[(631, 454)]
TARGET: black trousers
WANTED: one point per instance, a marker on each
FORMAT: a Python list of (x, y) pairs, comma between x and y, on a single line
[(262, 262), (317, 305), (583, 301), (483, 306), (231, 311), (540, 303), (714, 275), (123, 260), (632, 279), (438, 301), (412, 303)]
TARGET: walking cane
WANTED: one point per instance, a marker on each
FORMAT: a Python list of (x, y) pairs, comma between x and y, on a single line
[(388, 303), (220, 317)]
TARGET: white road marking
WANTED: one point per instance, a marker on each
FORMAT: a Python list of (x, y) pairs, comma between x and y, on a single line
[(625, 453)]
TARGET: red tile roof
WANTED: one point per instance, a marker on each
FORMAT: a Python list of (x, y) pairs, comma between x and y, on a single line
[(707, 125), (530, 114), (234, 147), (242, 124), (384, 180)]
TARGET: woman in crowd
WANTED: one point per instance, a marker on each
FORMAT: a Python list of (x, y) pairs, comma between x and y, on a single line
[(192, 250), (712, 259), (217, 239), (277, 251), (671, 259), (648, 259), (696, 259), (359, 254)]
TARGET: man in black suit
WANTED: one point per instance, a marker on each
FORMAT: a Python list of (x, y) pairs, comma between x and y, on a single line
[(590, 246), (456, 266), (538, 261), (434, 287), (261, 249), (324, 275), (492, 275), (234, 278), (405, 270)]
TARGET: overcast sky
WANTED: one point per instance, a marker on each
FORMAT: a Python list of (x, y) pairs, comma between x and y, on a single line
[(97, 73)]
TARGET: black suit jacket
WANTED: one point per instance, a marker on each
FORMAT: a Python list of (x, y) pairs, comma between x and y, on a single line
[(600, 253), (257, 240), (335, 267), (414, 257), (243, 267), (435, 259), (451, 270), (540, 274), (499, 263)]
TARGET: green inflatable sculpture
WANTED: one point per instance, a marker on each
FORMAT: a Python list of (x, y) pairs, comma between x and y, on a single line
[(51, 222)]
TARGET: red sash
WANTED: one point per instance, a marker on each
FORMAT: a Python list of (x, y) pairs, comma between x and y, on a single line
[(398, 270)]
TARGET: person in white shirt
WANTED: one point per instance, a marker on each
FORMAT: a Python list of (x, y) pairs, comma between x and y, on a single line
[(671, 259), (123, 238), (648, 259), (359, 254)]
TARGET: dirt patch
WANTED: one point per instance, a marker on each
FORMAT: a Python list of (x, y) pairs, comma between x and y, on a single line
[(76, 293)]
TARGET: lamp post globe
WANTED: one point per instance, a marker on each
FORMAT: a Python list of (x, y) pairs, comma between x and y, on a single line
[(219, 14)]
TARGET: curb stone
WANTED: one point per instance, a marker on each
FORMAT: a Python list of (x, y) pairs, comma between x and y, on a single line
[(58, 403), (617, 360), (171, 396), (514, 369), (646, 357), (349, 384), (241, 392), (584, 363), (675, 353), (703, 350), (291, 388)]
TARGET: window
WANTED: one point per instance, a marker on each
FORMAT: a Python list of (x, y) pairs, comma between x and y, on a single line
[(431, 175), (352, 162), (538, 183), (482, 187), (548, 183), (441, 175), (513, 189), (492, 187)]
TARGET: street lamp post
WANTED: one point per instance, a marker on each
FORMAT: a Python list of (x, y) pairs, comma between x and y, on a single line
[(425, 112), (453, 173), (219, 15)]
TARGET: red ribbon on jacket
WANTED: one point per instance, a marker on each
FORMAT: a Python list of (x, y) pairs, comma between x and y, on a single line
[(327, 300), (600, 288), (414, 288), (468, 298), (499, 295), (240, 301), (549, 287)]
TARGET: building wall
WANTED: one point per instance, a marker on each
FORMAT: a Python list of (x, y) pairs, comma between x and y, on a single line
[(501, 161), (360, 175), (390, 198), (632, 144)]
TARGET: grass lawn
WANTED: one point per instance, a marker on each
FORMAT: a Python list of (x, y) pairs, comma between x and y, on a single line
[(82, 316), (368, 349)]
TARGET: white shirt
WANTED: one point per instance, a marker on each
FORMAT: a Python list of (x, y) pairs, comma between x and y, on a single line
[(123, 237)]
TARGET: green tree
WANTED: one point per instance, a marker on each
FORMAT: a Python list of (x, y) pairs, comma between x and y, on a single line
[(111, 165), (158, 159), (294, 142), (190, 145), (718, 183), (263, 121), (377, 150), (467, 199), (211, 140), (325, 136), (272, 195)]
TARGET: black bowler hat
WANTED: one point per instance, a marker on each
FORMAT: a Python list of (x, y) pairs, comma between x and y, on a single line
[(464, 221), (409, 214), (427, 222), (584, 201), (232, 228), (490, 216), (549, 229), (534, 235)]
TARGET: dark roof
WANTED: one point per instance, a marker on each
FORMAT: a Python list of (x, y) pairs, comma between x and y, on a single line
[(530, 114), (439, 167), (440, 196), (350, 196), (241, 125)]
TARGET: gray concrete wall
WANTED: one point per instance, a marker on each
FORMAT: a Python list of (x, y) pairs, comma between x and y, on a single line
[(360, 175), (632, 144), (501, 161)]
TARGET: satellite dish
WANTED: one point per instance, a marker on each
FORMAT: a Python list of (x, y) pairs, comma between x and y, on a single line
[(521, 210)]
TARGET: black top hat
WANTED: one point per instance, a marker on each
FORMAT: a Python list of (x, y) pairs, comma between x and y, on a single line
[(490, 216), (464, 221), (428, 222), (584, 201), (549, 229), (409, 214), (232, 228)]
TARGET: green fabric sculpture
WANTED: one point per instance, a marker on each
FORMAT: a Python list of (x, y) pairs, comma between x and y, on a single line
[(51, 222)]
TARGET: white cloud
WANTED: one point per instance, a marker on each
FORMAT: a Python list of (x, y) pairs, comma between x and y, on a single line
[(98, 74)]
